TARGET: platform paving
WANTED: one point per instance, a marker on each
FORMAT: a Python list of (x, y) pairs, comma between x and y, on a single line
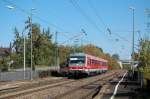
[(127, 89)]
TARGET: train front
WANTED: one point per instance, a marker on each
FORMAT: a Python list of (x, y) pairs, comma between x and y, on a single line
[(77, 64)]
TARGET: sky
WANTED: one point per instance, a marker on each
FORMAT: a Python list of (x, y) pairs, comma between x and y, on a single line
[(70, 17)]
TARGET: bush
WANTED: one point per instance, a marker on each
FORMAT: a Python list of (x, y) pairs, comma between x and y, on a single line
[(4, 69), (45, 73), (146, 72)]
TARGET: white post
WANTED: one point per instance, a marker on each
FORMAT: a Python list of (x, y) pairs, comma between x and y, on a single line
[(24, 67), (31, 41)]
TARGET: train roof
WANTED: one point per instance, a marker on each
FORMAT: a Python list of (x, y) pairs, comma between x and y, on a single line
[(83, 54)]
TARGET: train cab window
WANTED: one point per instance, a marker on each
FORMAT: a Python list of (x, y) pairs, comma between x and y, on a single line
[(77, 61)]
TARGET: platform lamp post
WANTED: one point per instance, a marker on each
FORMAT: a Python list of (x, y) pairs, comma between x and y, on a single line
[(24, 54), (24, 46), (133, 10)]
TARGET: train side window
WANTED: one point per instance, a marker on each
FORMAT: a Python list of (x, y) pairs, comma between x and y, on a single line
[(104, 64), (99, 63), (88, 61), (92, 62)]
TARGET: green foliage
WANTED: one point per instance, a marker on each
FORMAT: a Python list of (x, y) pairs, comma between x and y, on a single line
[(111, 61), (144, 57), (144, 53), (115, 56), (44, 50), (3, 64), (42, 46), (145, 69), (64, 52)]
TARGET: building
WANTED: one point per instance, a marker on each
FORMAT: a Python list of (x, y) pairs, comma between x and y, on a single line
[(4, 52)]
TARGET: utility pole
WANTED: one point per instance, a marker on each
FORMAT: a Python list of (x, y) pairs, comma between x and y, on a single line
[(56, 51), (133, 44), (85, 34), (31, 43), (24, 55), (76, 41)]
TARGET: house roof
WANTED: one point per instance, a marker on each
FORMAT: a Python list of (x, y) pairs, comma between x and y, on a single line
[(4, 51)]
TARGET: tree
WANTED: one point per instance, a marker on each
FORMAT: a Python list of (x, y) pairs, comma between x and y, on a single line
[(144, 52), (17, 47), (115, 56), (64, 52), (92, 50), (43, 48)]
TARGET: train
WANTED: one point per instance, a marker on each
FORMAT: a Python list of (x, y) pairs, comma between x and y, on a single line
[(85, 64)]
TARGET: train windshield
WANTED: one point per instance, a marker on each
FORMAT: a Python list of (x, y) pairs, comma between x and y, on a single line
[(77, 61)]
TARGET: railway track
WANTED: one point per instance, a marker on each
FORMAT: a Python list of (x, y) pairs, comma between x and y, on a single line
[(87, 91), (86, 87), (22, 86)]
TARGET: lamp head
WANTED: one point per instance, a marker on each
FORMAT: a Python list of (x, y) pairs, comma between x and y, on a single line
[(10, 7)]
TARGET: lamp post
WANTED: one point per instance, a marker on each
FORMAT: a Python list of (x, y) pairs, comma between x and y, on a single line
[(132, 9), (24, 46), (24, 55)]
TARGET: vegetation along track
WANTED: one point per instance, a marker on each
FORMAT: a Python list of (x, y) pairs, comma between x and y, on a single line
[(65, 89)]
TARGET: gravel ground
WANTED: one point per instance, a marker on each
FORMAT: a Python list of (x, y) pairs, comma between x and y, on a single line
[(52, 91)]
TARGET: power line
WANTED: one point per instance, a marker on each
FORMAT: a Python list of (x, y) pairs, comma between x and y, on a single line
[(37, 17), (28, 13), (101, 20), (96, 13), (65, 34), (83, 13), (75, 4)]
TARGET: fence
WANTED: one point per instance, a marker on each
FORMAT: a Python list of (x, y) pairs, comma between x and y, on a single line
[(19, 74)]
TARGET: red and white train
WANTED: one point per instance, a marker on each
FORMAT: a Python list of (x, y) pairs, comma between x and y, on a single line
[(86, 64)]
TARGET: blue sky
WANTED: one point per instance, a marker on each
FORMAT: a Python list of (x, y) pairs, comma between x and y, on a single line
[(68, 17)]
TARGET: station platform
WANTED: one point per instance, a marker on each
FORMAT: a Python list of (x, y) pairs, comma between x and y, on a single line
[(122, 87)]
